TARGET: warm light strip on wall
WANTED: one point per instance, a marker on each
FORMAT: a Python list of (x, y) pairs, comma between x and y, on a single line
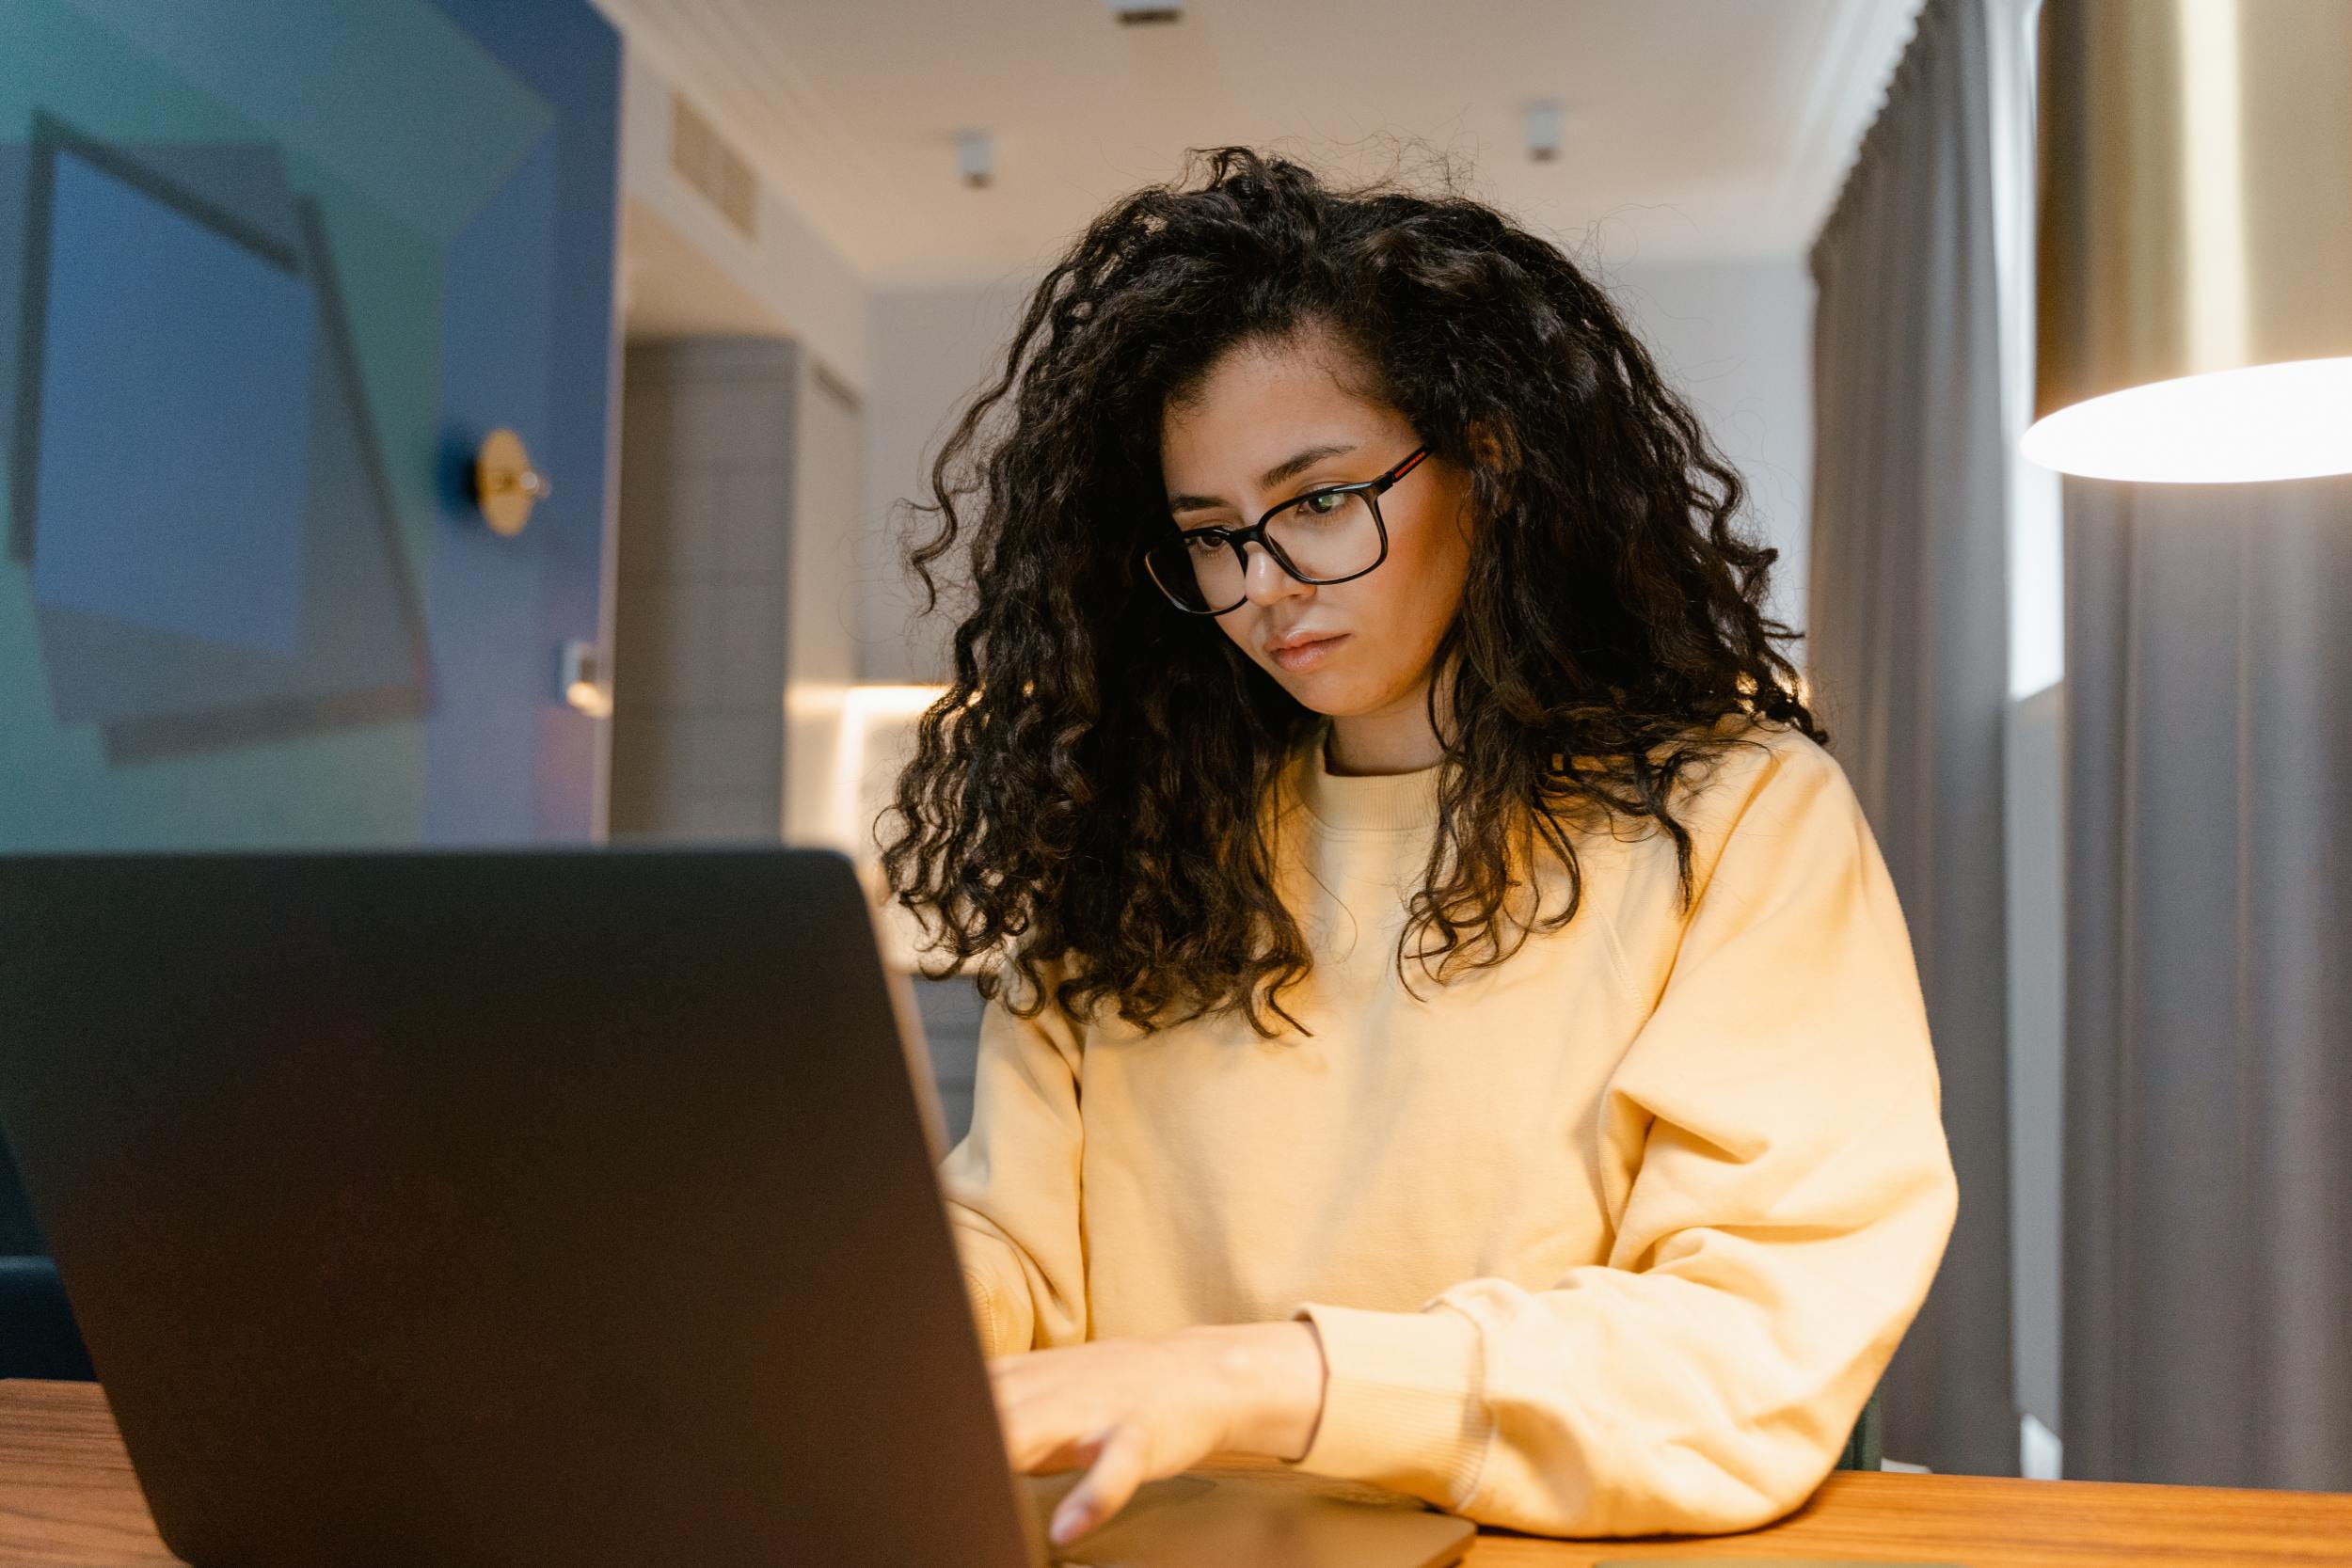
[(864, 710)]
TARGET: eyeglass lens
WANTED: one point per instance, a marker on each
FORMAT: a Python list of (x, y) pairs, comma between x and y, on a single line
[(1326, 536)]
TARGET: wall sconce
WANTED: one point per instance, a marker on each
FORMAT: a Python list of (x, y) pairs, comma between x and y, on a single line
[(505, 486), (2194, 227)]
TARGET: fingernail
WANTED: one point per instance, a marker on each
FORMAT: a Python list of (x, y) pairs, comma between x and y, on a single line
[(1067, 1522)]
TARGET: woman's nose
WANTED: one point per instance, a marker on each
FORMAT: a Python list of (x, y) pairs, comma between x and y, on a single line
[(1261, 575)]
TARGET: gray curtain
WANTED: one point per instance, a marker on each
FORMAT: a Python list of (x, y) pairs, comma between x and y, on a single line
[(2208, 1295), (1908, 650)]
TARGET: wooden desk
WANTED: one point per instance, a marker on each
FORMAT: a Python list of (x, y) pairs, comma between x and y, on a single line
[(67, 1500)]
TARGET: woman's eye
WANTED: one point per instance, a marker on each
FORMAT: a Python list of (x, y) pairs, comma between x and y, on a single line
[(1306, 504)]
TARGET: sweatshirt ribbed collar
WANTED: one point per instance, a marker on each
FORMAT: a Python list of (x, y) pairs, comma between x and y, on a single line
[(1370, 803)]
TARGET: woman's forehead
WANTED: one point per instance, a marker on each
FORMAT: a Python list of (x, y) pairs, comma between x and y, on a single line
[(1249, 413)]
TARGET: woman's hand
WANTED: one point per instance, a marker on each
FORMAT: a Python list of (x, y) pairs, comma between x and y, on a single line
[(1136, 1410)]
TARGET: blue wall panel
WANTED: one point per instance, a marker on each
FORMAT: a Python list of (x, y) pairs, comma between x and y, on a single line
[(268, 271), (563, 205)]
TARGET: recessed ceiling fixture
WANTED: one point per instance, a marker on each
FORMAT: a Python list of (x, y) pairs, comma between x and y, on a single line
[(1543, 130), (976, 157), (1133, 13)]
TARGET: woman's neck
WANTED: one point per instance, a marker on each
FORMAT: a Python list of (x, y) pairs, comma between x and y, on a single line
[(1396, 738)]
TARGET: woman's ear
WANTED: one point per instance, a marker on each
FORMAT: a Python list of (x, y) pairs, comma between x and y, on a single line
[(1496, 454), (1492, 448)]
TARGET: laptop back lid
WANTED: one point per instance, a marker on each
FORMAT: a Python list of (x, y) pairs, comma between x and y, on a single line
[(541, 1206)]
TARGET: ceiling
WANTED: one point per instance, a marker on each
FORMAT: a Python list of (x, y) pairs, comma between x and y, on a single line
[(1691, 129)]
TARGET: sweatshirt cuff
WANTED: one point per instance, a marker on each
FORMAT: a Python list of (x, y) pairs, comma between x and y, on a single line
[(1403, 1405)]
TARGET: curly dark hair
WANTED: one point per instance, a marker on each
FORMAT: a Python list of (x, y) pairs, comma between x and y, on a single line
[(1089, 793)]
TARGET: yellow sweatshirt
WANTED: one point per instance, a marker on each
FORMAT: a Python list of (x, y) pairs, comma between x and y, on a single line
[(1613, 1238)]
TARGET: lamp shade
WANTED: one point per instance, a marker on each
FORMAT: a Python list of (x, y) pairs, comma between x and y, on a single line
[(2194, 239)]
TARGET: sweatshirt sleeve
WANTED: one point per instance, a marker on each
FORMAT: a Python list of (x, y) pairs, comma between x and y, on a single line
[(1011, 1186), (1779, 1191)]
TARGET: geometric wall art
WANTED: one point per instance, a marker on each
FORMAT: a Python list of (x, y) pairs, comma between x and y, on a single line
[(197, 486)]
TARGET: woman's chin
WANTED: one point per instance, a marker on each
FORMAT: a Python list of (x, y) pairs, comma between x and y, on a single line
[(1332, 698), (1316, 689)]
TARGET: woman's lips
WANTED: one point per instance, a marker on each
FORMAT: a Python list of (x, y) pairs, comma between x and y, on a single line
[(1308, 654)]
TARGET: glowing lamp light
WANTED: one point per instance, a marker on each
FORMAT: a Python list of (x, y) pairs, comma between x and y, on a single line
[(2290, 420)]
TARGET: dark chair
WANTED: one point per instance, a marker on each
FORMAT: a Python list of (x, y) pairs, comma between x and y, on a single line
[(36, 1334), (1862, 1448)]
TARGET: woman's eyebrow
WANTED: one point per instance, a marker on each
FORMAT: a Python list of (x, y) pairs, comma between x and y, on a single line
[(1286, 469)]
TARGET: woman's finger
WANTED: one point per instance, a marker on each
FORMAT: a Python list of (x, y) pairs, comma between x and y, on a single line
[(1119, 1470), (1068, 1453), (1049, 1435)]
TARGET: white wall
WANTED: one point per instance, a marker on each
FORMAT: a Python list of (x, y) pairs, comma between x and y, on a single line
[(932, 349), (1734, 337), (821, 658)]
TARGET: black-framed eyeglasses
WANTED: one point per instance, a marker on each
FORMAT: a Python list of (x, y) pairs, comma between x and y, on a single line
[(1328, 535)]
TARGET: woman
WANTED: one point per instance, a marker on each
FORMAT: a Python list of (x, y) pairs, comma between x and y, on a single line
[(1477, 1051)]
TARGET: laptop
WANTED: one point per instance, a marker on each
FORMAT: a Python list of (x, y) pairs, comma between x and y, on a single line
[(536, 1206)]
